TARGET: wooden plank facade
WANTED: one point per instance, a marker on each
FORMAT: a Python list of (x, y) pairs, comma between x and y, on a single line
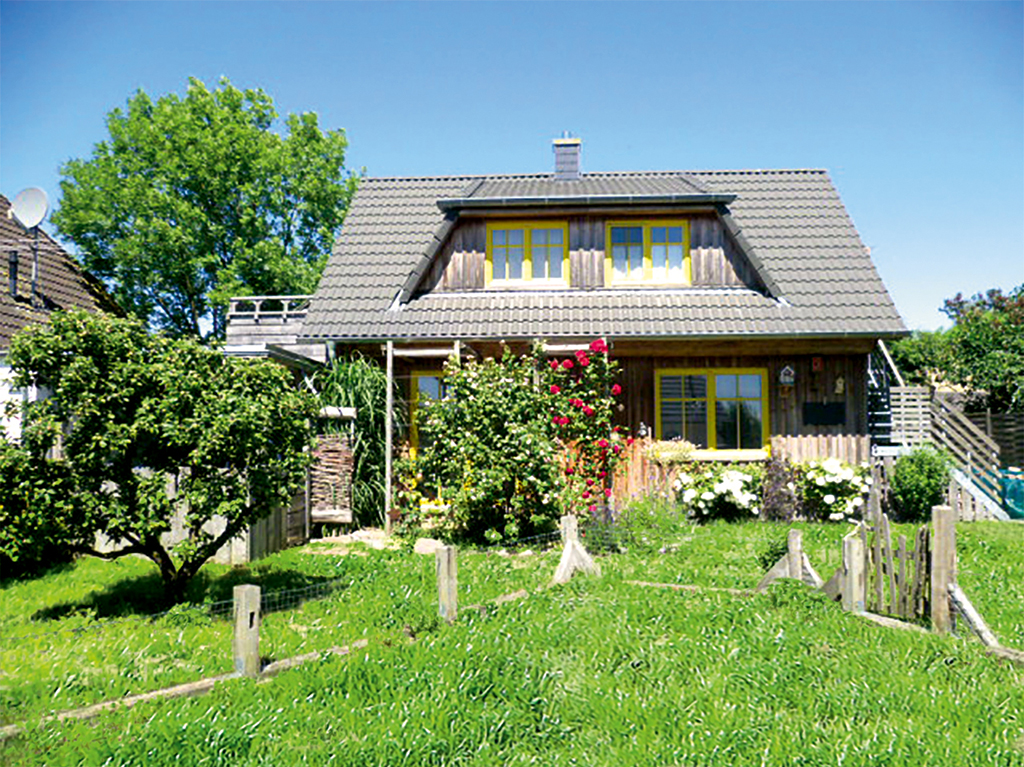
[(715, 259)]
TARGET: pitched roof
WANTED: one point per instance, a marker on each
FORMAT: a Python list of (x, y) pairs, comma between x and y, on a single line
[(791, 223), (62, 283)]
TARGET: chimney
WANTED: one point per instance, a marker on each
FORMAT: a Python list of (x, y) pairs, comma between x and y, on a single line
[(567, 158)]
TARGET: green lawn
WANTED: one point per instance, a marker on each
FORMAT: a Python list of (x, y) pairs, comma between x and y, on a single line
[(598, 672)]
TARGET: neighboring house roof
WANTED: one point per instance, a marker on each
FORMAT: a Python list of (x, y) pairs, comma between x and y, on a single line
[(62, 284), (790, 224)]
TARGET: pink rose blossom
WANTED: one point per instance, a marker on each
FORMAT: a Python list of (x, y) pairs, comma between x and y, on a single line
[(607, 492), (584, 362), (602, 474), (598, 346), (616, 390), (629, 440), (617, 448), (567, 364), (586, 493), (588, 410), (569, 470), (554, 364), (589, 481), (602, 443), (592, 508), (555, 389)]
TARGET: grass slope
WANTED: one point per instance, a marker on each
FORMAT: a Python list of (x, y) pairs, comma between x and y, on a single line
[(599, 672)]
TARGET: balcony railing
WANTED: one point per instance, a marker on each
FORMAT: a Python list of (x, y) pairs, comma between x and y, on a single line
[(260, 310)]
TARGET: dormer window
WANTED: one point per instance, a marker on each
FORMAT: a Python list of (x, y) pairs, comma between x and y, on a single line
[(534, 252), (647, 252)]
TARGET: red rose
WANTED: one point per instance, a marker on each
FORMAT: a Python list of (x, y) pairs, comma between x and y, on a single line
[(567, 364), (616, 390), (617, 448), (586, 493), (556, 419), (580, 354), (584, 361), (589, 481), (607, 492), (598, 346), (569, 470), (565, 420), (554, 387), (588, 410), (602, 443), (629, 440), (554, 364), (592, 508), (602, 474)]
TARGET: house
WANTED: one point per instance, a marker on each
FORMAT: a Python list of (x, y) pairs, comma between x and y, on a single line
[(37, 277), (741, 305)]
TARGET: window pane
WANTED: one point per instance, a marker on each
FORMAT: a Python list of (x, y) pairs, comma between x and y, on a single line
[(696, 387), (499, 263), (618, 235), (636, 262), (726, 424), (671, 419), (672, 386), (725, 386), (498, 236), (515, 237), (515, 263), (539, 236), (697, 423), (555, 263), (619, 261), (554, 236), (750, 425), (658, 258), (636, 234), (675, 257), (539, 254), (675, 234), (429, 387), (657, 234), (750, 386)]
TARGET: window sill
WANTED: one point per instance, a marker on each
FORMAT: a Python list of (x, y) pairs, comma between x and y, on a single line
[(526, 285), (726, 456)]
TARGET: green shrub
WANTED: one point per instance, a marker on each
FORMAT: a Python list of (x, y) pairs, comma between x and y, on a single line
[(919, 482), (720, 491)]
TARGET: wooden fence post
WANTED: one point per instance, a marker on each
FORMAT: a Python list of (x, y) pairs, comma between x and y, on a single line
[(246, 643), (943, 565), (794, 543), (569, 528), (854, 581), (447, 583)]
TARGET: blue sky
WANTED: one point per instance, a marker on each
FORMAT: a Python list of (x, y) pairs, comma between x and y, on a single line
[(916, 109)]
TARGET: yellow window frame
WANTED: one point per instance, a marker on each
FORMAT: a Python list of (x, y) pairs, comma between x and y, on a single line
[(712, 398), (414, 404), (648, 267), (528, 228)]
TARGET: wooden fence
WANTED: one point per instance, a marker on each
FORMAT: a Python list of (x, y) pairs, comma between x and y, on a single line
[(851, 448), (1007, 431), (974, 453), (911, 414)]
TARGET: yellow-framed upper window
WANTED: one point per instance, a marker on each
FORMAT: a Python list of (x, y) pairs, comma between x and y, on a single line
[(426, 386), (715, 408), (527, 251), (647, 251)]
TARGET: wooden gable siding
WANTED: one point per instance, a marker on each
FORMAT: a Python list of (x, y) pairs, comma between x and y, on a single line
[(715, 259), (637, 380)]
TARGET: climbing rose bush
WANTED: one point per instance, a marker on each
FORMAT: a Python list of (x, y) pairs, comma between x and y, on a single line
[(517, 442)]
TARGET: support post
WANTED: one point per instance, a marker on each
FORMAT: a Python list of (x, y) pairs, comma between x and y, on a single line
[(447, 583), (794, 542), (569, 528), (246, 643), (854, 582), (943, 566), (388, 429)]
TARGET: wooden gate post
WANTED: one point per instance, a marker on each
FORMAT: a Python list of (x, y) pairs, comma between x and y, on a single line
[(246, 642), (569, 528), (943, 566), (447, 583), (854, 580), (795, 547)]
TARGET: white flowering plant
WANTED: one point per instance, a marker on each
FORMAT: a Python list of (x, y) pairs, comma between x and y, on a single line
[(833, 490), (719, 491)]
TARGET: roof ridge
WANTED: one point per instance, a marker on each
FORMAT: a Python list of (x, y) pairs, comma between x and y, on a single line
[(468, 177)]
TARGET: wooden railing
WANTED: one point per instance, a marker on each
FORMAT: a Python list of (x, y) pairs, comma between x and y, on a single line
[(911, 414), (973, 452), (263, 309)]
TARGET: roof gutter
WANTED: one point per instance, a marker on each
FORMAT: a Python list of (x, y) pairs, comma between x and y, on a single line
[(591, 200)]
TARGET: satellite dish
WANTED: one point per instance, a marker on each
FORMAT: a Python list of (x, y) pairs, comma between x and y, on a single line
[(30, 207)]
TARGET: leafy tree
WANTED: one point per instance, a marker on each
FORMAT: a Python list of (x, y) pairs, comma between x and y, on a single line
[(138, 414), (922, 357), (193, 200), (986, 346)]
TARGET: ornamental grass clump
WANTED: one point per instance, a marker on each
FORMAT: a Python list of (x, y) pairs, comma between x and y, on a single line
[(832, 490), (720, 491)]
